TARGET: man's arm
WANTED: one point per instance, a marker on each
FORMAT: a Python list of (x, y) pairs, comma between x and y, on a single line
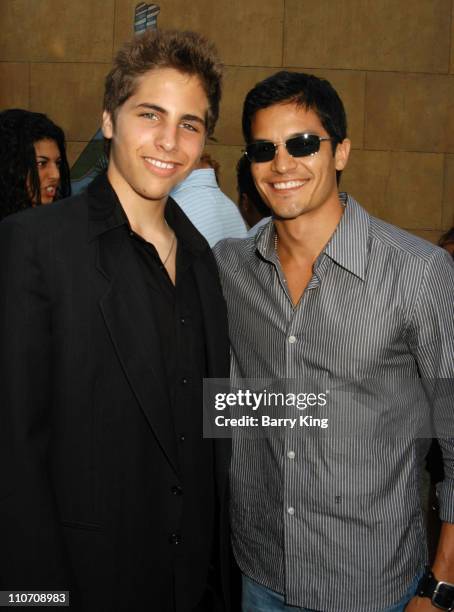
[(31, 548), (442, 568), (433, 346)]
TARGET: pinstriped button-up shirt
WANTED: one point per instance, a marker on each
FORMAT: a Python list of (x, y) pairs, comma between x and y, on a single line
[(208, 208), (336, 524)]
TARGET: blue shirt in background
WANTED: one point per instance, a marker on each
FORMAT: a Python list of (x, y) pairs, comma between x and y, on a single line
[(210, 210)]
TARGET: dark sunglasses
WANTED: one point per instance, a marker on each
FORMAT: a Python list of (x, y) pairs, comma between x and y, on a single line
[(297, 146)]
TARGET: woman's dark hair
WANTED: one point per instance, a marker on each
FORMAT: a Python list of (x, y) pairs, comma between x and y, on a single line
[(447, 239), (245, 184), (19, 178), (305, 90)]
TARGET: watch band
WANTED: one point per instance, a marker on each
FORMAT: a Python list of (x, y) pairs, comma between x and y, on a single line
[(441, 593)]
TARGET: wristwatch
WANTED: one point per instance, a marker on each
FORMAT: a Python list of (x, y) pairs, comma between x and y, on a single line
[(441, 593)]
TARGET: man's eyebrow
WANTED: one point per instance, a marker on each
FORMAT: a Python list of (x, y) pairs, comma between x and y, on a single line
[(160, 109), (196, 118), (293, 135), (152, 107)]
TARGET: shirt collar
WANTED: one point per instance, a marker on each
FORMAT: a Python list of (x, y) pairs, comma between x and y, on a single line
[(204, 177), (106, 213), (348, 246), (265, 242), (185, 232)]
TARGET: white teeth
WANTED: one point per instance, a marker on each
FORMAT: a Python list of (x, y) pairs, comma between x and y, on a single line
[(159, 164), (50, 189), (288, 184)]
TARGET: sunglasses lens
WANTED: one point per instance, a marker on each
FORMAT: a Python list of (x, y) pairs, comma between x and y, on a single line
[(299, 146), (305, 144), (260, 151)]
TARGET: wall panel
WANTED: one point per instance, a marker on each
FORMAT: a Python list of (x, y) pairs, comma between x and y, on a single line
[(369, 35), (14, 85), (392, 63), (246, 33), (71, 94), (409, 112), (52, 30)]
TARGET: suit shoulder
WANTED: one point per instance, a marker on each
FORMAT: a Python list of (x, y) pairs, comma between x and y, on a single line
[(59, 215), (209, 260)]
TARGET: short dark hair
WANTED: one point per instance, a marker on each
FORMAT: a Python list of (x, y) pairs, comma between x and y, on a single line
[(447, 238), (207, 160), (306, 90), (19, 178), (188, 52), (245, 184)]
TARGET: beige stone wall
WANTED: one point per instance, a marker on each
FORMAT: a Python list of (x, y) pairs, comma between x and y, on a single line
[(392, 63)]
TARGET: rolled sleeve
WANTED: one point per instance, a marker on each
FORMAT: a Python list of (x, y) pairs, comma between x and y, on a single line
[(432, 341)]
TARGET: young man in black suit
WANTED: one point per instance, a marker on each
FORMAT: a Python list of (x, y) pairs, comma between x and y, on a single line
[(111, 314)]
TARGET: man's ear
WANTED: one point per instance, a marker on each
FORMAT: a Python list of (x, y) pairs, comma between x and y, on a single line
[(107, 125), (342, 153)]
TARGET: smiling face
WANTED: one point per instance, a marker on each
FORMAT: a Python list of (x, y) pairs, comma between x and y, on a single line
[(157, 136), (295, 186), (48, 161)]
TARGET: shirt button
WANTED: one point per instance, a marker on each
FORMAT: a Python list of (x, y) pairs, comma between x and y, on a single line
[(177, 490), (291, 454), (182, 438), (291, 510), (175, 538), (182, 320), (292, 339), (184, 381)]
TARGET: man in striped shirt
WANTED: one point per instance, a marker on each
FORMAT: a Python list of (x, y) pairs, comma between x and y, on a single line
[(207, 207), (334, 524)]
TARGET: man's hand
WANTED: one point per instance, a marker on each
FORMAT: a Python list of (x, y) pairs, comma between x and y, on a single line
[(420, 604), (443, 568)]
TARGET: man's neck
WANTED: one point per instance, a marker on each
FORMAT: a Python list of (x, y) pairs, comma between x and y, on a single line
[(305, 236), (146, 217), (299, 242)]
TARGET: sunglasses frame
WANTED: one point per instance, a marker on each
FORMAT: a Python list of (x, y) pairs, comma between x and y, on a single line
[(302, 136)]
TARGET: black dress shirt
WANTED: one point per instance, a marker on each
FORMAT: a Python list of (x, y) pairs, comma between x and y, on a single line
[(178, 314)]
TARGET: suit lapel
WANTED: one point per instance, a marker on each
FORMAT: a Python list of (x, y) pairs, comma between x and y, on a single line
[(128, 316), (214, 317), (218, 353)]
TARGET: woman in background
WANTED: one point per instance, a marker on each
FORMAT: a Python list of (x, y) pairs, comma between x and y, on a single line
[(447, 241), (33, 165)]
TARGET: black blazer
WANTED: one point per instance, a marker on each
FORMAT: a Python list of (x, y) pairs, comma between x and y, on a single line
[(88, 464)]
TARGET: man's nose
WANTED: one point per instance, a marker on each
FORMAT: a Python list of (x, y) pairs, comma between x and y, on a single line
[(283, 161), (167, 137)]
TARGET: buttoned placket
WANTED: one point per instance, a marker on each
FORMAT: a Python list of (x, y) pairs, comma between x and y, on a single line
[(293, 447)]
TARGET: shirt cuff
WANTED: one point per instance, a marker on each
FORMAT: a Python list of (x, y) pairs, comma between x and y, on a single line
[(445, 495)]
